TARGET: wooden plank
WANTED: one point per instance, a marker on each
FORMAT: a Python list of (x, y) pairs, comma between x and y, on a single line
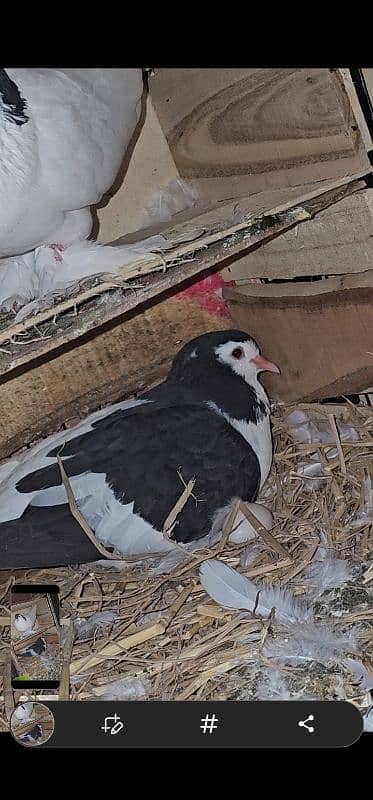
[(338, 241), (123, 355), (121, 358), (211, 240), (237, 131), (319, 334), (368, 77), (356, 110), (149, 168)]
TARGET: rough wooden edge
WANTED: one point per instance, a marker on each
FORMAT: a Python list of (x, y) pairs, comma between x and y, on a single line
[(248, 292), (212, 250), (345, 76)]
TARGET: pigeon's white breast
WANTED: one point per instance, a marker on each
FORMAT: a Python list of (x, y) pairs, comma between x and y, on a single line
[(258, 435)]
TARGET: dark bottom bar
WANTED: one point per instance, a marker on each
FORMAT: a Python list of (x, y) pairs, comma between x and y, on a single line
[(198, 724)]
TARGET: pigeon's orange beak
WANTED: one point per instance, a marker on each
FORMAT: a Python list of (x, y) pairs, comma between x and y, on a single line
[(263, 365)]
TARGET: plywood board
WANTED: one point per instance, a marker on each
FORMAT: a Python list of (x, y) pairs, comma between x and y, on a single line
[(207, 240), (368, 76), (237, 131), (338, 241), (319, 334), (119, 360), (149, 168)]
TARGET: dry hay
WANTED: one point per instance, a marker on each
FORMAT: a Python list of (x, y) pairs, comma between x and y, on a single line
[(166, 639)]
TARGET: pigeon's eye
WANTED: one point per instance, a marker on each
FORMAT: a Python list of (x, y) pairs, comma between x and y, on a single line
[(237, 352)]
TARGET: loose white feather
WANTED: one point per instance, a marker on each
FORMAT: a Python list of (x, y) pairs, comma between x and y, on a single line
[(272, 686), (362, 675), (368, 721), (310, 641), (327, 573), (124, 689), (177, 196), (306, 427), (86, 627), (232, 590), (364, 516)]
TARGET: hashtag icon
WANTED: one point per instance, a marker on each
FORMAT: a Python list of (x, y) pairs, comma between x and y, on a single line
[(209, 723)]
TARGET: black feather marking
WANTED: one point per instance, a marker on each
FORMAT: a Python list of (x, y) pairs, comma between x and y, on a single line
[(33, 735), (37, 649), (213, 381), (14, 105), (141, 450)]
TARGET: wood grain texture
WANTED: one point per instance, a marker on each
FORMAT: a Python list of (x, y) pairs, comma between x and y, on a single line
[(243, 130), (114, 363), (339, 240), (122, 356)]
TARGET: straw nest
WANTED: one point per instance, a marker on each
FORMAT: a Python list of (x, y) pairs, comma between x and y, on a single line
[(131, 634)]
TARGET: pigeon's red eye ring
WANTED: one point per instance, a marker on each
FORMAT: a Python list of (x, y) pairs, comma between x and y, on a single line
[(237, 352)]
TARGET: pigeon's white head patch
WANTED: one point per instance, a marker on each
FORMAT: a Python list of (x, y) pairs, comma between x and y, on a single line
[(244, 359)]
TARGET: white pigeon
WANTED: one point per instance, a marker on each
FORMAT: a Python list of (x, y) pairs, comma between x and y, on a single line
[(23, 712), (63, 136), (24, 622)]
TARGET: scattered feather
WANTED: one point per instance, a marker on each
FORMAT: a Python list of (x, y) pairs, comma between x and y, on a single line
[(272, 686), (327, 573), (125, 689), (368, 721), (231, 590), (251, 552), (364, 516), (308, 429), (85, 628), (177, 196), (313, 475), (310, 641), (363, 676)]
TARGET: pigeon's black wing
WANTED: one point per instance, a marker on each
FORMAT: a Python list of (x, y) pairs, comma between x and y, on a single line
[(146, 453)]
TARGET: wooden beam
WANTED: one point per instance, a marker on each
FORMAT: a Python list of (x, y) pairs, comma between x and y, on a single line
[(339, 241), (212, 238)]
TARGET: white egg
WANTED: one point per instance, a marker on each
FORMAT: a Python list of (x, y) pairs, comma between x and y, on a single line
[(243, 530)]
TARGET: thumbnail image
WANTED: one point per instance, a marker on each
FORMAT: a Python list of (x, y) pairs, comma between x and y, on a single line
[(32, 723), (35, 638)]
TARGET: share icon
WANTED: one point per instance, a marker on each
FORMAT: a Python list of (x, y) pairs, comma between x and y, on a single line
[(303, 723)]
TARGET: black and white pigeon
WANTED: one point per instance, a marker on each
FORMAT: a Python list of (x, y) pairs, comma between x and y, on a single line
[(25, 621), (128, 464), (38, 648), (32, 736), (63, 135)]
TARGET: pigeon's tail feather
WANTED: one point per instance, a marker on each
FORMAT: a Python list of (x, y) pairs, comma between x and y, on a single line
[(44, 537)]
